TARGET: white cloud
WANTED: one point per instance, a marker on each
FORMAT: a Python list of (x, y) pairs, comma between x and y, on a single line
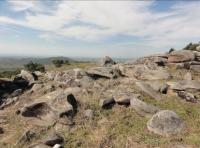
[(93, 21), (21, 5)]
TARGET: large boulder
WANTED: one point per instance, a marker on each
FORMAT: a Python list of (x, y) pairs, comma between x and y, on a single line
[(159, 86), (181, 56), (146, 88), (165, 123), (123, 98), (104, 72), (107, 61), (143, 108), (51, 107)]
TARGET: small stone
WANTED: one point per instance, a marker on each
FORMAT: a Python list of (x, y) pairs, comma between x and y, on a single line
[(57, 146), (89, 113), (107, 103), (187, 96)]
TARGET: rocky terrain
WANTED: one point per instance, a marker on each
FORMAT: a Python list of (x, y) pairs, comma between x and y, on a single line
[(151, 102)]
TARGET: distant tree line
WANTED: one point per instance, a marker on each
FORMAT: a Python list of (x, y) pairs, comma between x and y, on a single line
[(59, 63), (34, 67)]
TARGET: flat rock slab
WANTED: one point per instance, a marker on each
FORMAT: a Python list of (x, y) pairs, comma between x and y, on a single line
[(143, 108), (181, 56), (103, 72), (185, 84), (165, 123), (146, 88), (123, 98)]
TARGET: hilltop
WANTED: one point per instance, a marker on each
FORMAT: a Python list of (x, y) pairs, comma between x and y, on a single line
[(153, 101)]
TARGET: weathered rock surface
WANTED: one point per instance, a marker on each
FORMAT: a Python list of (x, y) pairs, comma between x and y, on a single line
[(30, 77), (187, 76), (52, 106), (187, 96), (123, 98), (143, 108), (107, 61), (159, 86), (146, 88), (185, 84), (165, 123), (181, 56), (104, 72)]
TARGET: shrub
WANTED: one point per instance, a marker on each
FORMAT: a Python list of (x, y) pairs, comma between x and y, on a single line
[(58, 63), (34, 67), (9, 74)]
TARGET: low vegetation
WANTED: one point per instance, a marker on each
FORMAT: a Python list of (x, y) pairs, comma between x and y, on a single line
[(34, 67)]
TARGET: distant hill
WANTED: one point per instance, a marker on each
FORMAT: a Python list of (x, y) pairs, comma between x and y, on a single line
[(12, 63)]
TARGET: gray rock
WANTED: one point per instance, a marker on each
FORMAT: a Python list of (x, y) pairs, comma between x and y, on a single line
[(106, 103), (89, 113), (103, 72), (16, 93), (107, 61), (142, 73), (28, 76), (185, 84), (36, 87), (79, 73), (123, 98), (146, 88), (195, 68), (165, 123), (187, 76), (53, 139), (143, 108), (38, 73), (52, 106), (50, 75), (26, 137), (181, 56), (187, 96), (159, 86)]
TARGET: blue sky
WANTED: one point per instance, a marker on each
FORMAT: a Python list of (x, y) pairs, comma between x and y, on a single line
[(124, 29)]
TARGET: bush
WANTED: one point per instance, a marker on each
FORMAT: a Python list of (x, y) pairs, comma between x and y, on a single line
[(34, 67), (9, 74), (58, 63)]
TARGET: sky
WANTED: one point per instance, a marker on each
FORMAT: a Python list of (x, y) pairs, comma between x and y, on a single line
[(122, 29)]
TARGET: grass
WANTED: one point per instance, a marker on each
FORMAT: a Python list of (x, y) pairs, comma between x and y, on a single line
[(117, 127)]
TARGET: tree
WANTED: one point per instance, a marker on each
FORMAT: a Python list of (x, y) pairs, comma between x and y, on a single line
[(34, 67), (58, 63)]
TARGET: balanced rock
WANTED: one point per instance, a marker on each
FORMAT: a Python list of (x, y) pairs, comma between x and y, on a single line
[(107, 61), (165, 123)]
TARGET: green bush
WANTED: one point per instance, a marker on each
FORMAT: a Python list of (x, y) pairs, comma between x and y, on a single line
[(34, 67), (58, 63), (9, 74)]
